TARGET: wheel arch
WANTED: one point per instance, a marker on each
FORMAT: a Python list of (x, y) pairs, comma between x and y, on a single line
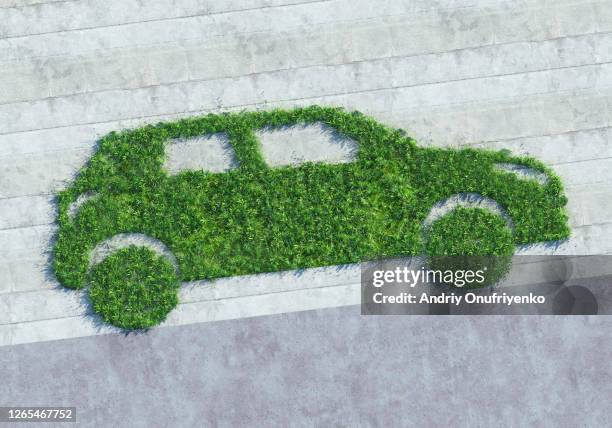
[(123, 240), (465, 200)]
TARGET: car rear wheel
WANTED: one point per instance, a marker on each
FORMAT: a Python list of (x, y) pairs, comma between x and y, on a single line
[(470, 240), (133, 288)]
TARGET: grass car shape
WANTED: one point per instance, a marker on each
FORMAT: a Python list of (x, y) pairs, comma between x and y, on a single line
[(256, 218)]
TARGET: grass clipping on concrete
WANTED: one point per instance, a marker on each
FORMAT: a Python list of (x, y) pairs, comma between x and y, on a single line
[(257, 219)]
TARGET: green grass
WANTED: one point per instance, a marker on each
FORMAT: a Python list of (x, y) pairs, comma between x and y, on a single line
[(471, 239), (133, 288), (258, 219)]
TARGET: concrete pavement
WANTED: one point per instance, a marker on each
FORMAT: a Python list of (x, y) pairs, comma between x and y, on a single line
[(329, 367)]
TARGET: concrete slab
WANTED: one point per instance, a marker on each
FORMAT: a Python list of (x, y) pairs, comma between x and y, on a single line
[(326, 366), (22, 3), (441, 126), (548, 114), (26, 270), (40, 17), (79, 322), (553, 149), (431, 29), (149, 66), (26, 211), (56, 305), (26, 238), (38, 174), (243, 92), (312, 143), (212, 153)]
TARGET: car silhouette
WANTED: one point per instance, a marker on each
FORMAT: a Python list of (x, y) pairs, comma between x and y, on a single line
[(256, 217)]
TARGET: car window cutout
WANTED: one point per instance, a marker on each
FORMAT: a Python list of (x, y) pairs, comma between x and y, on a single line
[(293, 145), (212, 153), (523, 172)]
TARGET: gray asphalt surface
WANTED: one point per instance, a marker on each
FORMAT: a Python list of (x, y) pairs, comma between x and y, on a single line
[(330, 367)]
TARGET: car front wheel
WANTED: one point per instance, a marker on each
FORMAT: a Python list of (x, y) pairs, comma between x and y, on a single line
[(474, 244)]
